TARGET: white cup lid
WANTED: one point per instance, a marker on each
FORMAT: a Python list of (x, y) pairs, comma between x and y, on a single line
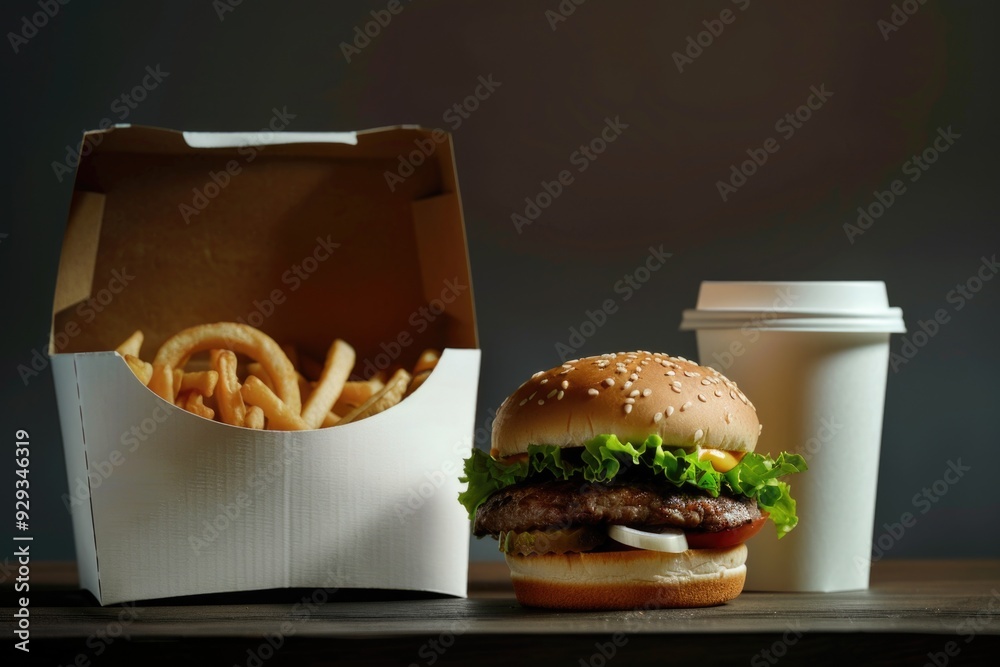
[(861, 306)]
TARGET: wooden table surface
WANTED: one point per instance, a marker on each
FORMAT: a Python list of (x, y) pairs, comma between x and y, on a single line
[(916, 612)]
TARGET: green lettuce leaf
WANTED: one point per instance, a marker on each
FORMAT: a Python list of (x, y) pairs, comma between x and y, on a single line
[(604, 457)]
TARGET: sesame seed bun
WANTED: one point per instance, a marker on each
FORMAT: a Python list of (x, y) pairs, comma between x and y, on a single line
[(636, 579), (629, 394)]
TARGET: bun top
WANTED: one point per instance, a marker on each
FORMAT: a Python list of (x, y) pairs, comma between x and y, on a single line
[(629, 394)]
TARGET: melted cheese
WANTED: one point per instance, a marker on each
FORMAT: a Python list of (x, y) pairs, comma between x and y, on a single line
[(722, 461)]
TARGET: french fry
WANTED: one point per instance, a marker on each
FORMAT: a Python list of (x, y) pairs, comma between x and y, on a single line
[(417, 380), (178, 378), (255, 417), (356, 393), (161, 382), (427, 361), (387, 397), (142, 369), (280, 417), (228, 396), (331, 419), (131, 345), (254, 368), (339, 362), (202, 382), (241, 338), (195, 402)]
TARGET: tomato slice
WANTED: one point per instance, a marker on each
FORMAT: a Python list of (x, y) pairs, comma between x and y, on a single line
[(724, 538)]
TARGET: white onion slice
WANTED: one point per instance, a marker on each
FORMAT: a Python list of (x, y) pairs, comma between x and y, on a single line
[(670, 540)]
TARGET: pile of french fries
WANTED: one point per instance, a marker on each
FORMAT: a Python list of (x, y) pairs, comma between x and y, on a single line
[(278, 390)]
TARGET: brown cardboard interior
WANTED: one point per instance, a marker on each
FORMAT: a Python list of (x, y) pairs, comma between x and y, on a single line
[(307, 242)]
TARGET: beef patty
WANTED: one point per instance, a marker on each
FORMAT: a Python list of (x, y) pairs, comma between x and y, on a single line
[(562, 504)]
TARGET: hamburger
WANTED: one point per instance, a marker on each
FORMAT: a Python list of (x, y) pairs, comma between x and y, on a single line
[(626, 481)]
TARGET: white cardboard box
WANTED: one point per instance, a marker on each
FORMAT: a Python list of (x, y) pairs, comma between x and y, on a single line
[(300, 235)]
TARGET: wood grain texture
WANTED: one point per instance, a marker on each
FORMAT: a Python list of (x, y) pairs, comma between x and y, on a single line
[(913, 611)]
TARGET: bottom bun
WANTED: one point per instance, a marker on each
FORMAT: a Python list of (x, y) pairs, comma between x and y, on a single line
[(635, 579)]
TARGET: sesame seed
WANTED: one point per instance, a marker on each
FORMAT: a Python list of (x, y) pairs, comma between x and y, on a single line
[(560, 395), (541, 401), (634, 393), (670, 410), (532, 395), (552, 393), (706, 381), (686, 405), (718, 392), (630, 401), (633, 377), (567, 365), (628, 383), (565, 384), (647, 392), (675, 388), (566, 371), (760, 430), (628, 408), (732, 394), (609, 382), (699, 434), (676, 383), (537, 374), (657, 417), (701, 397), (523, 401), (692, 374), (729, 418), (544, 380), (593, 392), (670, 373)]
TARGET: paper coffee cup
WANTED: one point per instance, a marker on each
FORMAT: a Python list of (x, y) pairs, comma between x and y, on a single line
[(813, 357)]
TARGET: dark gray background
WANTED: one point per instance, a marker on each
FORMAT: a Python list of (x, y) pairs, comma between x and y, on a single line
[(654, 185)]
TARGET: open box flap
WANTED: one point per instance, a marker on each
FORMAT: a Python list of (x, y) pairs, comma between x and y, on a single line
[(186, 237)]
